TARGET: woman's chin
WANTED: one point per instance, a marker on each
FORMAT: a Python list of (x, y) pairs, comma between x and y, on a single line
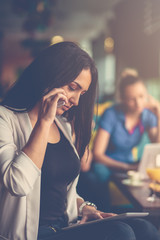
[(59, 112)]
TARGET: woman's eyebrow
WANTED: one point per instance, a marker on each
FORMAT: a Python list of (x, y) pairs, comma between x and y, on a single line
[(78, 84), (80, 87)]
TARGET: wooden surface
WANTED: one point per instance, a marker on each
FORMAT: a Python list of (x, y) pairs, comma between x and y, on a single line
[(138, 196)]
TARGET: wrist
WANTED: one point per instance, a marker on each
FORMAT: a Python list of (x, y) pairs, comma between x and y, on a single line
[(86, 203), (127, 166), (43, 123)]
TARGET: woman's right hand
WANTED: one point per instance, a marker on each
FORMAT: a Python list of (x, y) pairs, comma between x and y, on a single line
[(48, 106), (132, 166)]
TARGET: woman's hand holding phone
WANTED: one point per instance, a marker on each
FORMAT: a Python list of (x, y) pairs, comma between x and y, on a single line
[(50, 102), (60, 103)]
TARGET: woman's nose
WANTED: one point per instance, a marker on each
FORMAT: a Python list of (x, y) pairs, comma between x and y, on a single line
[(75, 99)]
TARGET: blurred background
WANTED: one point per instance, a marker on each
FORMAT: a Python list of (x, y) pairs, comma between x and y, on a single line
[(116, 33)]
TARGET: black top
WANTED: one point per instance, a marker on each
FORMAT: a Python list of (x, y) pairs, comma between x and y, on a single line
[(61, 166)]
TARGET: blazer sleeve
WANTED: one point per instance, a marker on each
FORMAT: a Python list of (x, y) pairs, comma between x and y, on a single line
[(18, 173)]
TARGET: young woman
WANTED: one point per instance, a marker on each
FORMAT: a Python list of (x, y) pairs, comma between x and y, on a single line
[(39, 165), (123, 125)]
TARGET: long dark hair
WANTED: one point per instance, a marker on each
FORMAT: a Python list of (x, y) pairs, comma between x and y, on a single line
[(56, 66)]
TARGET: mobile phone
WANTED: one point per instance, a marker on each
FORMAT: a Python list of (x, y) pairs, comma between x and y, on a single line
[(60, 103)]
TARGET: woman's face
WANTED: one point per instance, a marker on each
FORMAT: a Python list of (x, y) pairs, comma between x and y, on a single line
[(135, 97), (75, 90)]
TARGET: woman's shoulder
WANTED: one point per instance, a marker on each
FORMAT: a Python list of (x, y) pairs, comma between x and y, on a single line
[(12, 117), (148, 117), (5, 112), (147, 112)]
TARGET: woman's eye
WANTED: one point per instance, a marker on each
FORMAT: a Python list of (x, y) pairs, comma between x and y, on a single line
[(72, 88)]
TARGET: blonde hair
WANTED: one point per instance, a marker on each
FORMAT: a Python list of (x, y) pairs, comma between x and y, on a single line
[(129, 72)]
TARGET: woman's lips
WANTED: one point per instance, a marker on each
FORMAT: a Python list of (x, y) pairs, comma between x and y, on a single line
[(65, 107)]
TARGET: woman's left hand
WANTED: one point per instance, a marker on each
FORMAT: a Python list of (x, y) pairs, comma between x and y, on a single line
[(90, 213)]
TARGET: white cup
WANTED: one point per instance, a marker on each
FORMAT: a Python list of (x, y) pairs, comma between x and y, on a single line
[(134, 176)]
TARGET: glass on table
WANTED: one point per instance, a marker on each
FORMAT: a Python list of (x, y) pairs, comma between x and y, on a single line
[(153, 172)]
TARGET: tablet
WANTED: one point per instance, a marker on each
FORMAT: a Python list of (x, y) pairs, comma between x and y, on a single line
[(121, 216)]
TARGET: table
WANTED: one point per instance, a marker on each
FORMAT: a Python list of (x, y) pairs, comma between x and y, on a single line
[(138, 197)]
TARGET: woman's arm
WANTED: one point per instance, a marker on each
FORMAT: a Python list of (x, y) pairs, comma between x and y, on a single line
[(154, 106), (18, 173), (20, 169), (154, 133), (99, 149), (90, 212), (86, 160), (36, 145)]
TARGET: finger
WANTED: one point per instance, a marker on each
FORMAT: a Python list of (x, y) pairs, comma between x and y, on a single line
[(55, 98), (83, 220), (91, 217), (152, 99), (99, 215), (54, 92), (61, 98), (105, 215)]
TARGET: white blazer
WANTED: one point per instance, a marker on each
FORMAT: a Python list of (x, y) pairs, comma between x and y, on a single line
[(20, 179)]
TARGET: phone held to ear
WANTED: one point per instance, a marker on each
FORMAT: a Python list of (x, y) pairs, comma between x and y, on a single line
[(60, 103)]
